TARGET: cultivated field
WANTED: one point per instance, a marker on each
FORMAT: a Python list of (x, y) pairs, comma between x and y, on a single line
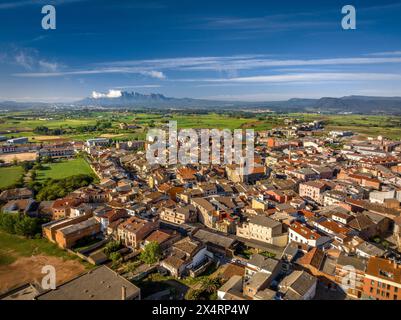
[(73, 125), (25, 156)]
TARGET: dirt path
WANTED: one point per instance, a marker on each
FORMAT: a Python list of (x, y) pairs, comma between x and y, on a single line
[(28, 269)]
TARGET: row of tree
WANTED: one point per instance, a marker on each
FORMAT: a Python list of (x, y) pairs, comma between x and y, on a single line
[(22, 225)]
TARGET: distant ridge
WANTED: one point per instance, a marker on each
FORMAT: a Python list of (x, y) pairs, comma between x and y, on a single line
[(347, 104)]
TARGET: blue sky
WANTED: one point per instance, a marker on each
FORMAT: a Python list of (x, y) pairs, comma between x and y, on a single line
[(229, 50)]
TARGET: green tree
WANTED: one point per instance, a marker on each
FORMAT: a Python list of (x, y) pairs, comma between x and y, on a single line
[(211, 285), (152, 253), (7, 222), (26, 226), (115, 256), (111, 247)]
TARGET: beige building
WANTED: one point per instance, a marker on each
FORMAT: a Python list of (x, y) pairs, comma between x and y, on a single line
[(264, 229), (179, 215)]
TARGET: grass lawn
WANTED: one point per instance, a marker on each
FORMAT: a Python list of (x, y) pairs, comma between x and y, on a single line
[(9, 176), (13, 246), (64, 169)]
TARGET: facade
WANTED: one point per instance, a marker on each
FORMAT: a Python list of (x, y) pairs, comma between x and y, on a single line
[(264, 229), (382, 280), (134, 230)]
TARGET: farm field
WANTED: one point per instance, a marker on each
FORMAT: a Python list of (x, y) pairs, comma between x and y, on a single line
[(64, 169), (17, 125), (26, 257), (9, 176)]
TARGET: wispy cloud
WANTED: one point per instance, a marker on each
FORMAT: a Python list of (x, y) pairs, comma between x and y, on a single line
[(154, 74), (243, 62), (24, 3), (385, 53), (307, 77), (29, 59), (144, 86)]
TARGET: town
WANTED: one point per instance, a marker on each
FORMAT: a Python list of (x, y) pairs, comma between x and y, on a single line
[(317, 217)]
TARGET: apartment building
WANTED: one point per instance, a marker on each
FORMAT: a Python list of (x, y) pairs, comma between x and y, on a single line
[(382, 280)]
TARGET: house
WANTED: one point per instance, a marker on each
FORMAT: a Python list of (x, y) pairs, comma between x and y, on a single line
[(97, 142), (98, 284), (179, 215), (15, 194), (185, 254), (257, 282), (313, 190), (264, 229), (259, 263), (382, 280), (350, 274), (22, 206), (303, 233), (232, 289), (298, 285), (216, 243), (108, 216), (133, 231), (61, 208), (165, 238), (207, 214)]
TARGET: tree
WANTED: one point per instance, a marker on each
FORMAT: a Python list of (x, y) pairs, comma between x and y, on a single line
[(111, 247), (7, 222), (26, 226), (211, 285), (115, 256), (152, 253)]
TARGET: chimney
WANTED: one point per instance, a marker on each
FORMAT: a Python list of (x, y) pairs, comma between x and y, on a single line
[(123, 293)]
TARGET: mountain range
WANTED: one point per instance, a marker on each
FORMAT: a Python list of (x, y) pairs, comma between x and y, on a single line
[(134, 100)]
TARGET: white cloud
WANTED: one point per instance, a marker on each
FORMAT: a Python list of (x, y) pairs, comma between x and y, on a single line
[(311, 77), (23, 3), (48, 66), (154, 74), (110, 94)]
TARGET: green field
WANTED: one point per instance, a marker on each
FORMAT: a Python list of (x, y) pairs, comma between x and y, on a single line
[(23, 123), (13, 246), (64, 169), (9, 176)]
